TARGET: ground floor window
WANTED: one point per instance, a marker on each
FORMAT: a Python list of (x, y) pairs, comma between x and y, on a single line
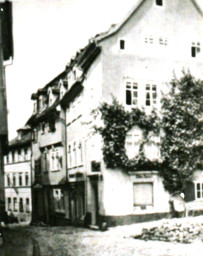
[(9, 207), (21, 205), (15, 206), (27, 205), (199, 190), (59, 200), (143, 194)]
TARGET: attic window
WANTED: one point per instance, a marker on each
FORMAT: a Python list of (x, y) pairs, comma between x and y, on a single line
[(122, 44), (195, 49), (159, 2)]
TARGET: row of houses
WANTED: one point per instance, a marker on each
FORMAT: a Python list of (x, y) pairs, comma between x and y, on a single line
[(55, 167)]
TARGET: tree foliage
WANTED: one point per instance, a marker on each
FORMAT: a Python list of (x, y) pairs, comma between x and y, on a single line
[(181, 148)]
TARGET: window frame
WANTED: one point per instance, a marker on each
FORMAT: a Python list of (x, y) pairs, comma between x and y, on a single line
[(15, 204), (199, 190), (195, 49), (59, 200), (122, 44), (144, 206), (159, 3), (131, 89), (151, 92), (27, 205)]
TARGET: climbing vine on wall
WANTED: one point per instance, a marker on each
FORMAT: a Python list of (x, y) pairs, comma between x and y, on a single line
[(116, 123)]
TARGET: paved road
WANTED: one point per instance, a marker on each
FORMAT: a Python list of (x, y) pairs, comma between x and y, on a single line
[(18, 243), (118, 241)]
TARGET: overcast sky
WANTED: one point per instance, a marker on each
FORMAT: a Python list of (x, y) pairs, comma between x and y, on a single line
[(47, 33)]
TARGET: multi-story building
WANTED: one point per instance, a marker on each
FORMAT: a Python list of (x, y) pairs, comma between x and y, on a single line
[(17, 164), (6, 53), (133, 61), (49, 162)]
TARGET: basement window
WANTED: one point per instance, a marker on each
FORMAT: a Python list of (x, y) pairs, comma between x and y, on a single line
[(195, 49), (159, 2), (122, 44)]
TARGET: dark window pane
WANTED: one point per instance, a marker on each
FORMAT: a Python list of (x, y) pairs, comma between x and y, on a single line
[(122, 44), (198, 186), (159, 2), (128, 97), (193, 51), (198, 194)]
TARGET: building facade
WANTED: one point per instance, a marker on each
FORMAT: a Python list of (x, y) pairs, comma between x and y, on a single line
[(49, 154), (133, 62), (18, 177)]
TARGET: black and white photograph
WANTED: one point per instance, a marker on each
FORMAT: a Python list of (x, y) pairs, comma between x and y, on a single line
[(101, 128)]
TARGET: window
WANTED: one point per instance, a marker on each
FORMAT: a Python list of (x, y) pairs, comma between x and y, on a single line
[(14, 179), (37, 167), (151, 95), (19, 155), (122, 44), (159, 2), (35, 135), (55, 160), (25, 154), (69, 157), (8, 180), (21, 205), (13, 156), (74, 154), (27, 205), (199, 190), (59, 200), (52, 161), (43, 127), (163, 41), (143, 194), (131, 93), (7, 159), (132, 142), (45, 161), (9, 207), (80, 153), (15, 206), (149, 40), (195, 49), (26, 179), (20, 179)]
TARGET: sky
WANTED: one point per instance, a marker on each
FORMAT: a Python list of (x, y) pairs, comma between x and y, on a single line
[(47, 33)]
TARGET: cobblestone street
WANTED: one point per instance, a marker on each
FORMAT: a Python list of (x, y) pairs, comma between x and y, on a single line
[(72, 241)]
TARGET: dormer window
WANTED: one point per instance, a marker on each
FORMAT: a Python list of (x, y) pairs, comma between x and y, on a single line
[(122, 44), (159, 2), (195, 49)]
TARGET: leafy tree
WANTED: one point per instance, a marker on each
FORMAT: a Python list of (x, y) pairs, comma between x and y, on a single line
[(181, 149)]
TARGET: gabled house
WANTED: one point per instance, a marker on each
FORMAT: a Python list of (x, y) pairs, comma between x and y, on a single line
[(133, 61), (49, 151), (18, 177)]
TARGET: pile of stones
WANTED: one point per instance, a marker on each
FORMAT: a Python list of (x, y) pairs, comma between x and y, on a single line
[(173, 231)]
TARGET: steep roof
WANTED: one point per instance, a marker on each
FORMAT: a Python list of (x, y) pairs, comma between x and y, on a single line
[(24, 140), (116, 27)]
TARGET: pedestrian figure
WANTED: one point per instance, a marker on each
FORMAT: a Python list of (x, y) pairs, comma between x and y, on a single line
[(177, 205)]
